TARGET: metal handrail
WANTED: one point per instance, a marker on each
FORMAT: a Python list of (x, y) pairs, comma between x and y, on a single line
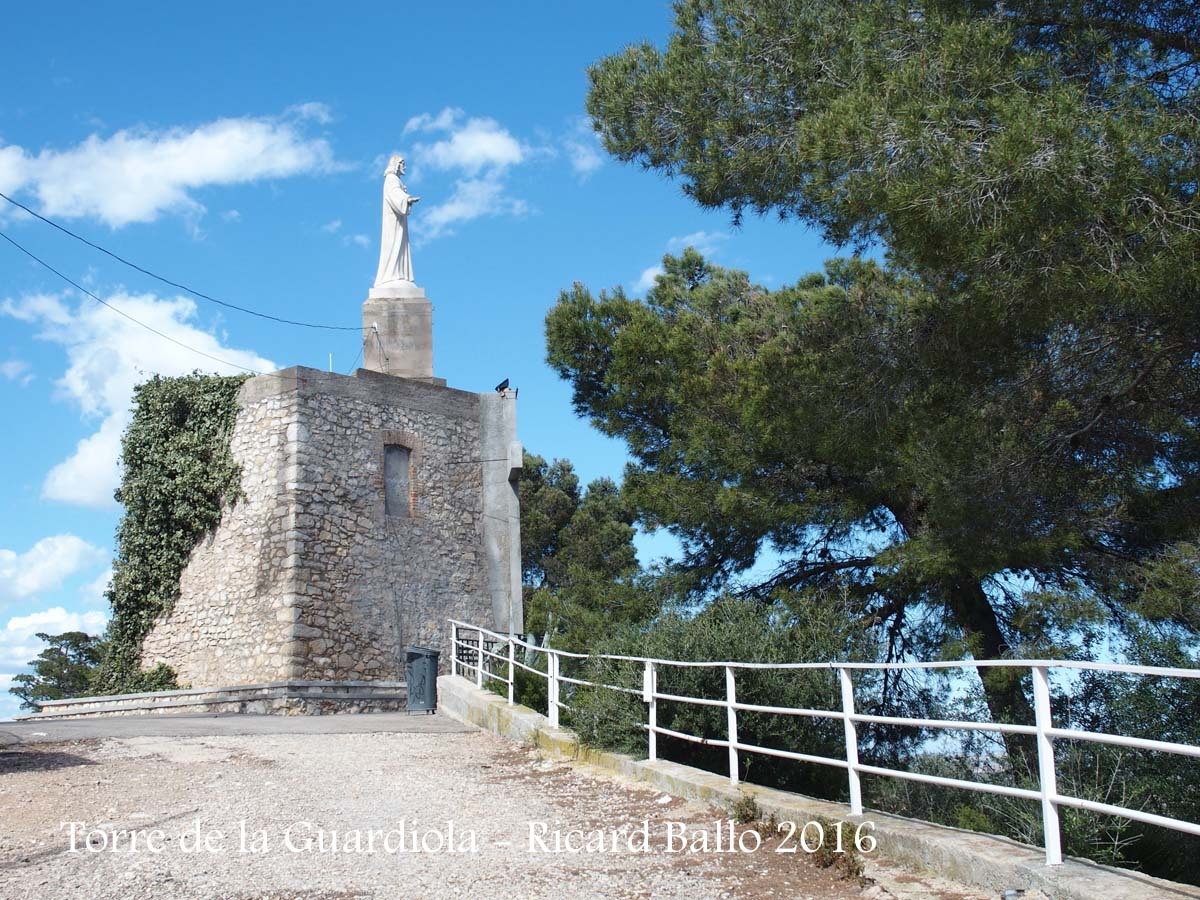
[(1042, 730)]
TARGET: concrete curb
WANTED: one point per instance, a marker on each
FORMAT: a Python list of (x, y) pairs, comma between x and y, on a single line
[(984, 861), (278, 698)]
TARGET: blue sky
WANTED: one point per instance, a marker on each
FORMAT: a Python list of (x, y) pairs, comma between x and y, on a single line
[(239, 148)]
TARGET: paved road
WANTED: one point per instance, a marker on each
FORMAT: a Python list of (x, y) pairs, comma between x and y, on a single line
[(364, 806), (48, 731)]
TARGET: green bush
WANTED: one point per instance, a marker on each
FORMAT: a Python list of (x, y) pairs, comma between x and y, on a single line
[(177, 473), (529, 690), (1104, 702), (793, 628), (796, 628)]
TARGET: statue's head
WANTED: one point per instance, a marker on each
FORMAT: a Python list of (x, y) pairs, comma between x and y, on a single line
[(395, 164)]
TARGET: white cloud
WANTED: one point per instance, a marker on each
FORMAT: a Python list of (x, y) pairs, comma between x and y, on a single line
[(45, 565), (443, 121), (478, 152), (471, 144), (231, 215), (108, 355), (89, 476), (583, 148), (136, 174), (36, 307), (646, 279), (16, 370), (19, 642), (357, 240), (14, 168), (473, 198), (316, 112), (707, 242)]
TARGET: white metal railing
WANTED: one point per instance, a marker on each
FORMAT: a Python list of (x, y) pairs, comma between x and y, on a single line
[(1043, 728)]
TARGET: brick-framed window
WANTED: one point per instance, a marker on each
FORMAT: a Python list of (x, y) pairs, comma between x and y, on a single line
[(400, 456)]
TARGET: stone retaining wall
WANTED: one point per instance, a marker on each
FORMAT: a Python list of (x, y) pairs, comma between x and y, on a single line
[(280, 698)]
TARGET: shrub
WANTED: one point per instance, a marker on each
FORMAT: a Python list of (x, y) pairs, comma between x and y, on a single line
[(177, 473), (790, 629)]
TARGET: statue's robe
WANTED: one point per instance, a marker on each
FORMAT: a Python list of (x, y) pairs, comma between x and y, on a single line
[(395, 258)]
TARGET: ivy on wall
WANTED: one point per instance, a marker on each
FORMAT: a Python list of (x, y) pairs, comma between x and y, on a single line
[(177, 472)]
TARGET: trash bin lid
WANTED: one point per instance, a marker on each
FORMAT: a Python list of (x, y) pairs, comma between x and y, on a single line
[(421, 651)]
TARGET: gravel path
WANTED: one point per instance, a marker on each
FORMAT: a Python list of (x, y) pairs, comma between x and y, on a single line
[(174, 792)]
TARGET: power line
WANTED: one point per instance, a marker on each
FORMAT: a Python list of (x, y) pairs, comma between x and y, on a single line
[(174, 284), (361, 345), (178, 343), (120, 312), (382, 353)]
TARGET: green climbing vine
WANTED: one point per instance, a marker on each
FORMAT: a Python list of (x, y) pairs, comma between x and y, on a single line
[(177, 472)]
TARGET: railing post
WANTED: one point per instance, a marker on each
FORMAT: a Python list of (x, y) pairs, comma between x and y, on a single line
[(512, 649), (453, 648), (1047, 777), (649, 690), (856, 807), (731, 720), (552, 687), (479, 662)]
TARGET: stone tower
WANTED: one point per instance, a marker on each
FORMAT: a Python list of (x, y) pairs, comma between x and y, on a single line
[(376, 505)]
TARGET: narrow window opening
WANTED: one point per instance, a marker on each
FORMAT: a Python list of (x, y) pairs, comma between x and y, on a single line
[(395, 480)]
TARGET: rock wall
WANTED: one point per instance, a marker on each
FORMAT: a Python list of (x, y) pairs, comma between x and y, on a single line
[(307, 577), (232, 621)]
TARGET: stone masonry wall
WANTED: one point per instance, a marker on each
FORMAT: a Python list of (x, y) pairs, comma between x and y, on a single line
[(230, 624), (369, 583), (306, 577)]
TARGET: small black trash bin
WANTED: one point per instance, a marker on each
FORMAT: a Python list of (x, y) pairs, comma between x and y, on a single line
[(420, 675)]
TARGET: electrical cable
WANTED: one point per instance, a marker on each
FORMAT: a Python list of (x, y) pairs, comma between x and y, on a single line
[(121, 312), (382, 352), (180, 343), (160, 334), (175, 284), (361, 345)]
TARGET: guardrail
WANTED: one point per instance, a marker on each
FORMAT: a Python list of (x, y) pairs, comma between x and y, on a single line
[(469, 655)]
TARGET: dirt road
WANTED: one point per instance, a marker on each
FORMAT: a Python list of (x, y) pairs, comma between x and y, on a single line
[(452, 814)]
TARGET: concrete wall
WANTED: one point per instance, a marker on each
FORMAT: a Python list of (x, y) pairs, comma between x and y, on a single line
[(503, 460), (307, 578)]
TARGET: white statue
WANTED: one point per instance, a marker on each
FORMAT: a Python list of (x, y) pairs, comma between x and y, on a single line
[(395, 258)]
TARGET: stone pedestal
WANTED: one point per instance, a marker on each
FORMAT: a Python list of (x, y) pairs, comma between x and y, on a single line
[(398, 331)]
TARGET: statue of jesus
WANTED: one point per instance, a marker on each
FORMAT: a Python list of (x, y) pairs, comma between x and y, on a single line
[(395, 258)]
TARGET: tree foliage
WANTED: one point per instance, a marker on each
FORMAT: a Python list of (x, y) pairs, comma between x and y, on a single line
[(1164, 783), (63, 669), (987, 441), (177, 472), (579, 566), (1010, 401), (793, 626), (1025, 155)]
